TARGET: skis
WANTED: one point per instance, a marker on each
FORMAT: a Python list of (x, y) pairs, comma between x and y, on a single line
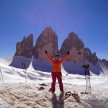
[(85, 93), (67, 95), (74, 95), (43, 84)]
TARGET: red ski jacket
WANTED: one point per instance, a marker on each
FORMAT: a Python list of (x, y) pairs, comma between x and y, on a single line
[(56, 64)]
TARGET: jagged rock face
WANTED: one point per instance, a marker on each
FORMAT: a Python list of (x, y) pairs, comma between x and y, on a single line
[(47, 40), (25, 47), (87, 54), (105, 62), (76, 47), (90, 56)]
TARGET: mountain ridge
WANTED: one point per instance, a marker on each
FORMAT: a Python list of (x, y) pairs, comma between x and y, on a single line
[(48, 40)]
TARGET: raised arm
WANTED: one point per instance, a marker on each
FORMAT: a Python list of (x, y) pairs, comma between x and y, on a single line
[(48, 57), (65, 58)]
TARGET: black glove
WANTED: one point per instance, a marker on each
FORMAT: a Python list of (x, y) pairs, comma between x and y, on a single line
[(68, 53), (46, 52)]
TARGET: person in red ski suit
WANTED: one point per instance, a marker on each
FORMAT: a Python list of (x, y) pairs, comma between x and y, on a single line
[(56, 70)]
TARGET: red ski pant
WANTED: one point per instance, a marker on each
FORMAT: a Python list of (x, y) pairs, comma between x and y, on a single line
[(57, 75)]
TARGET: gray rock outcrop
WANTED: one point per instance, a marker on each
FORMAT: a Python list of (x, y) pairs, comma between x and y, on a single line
[(76, 47), (90, 56), (25, 47), (47, 40)]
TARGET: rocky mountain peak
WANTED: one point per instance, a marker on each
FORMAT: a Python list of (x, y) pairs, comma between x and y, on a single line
[(75, 45), (25, 47), (47, 40)]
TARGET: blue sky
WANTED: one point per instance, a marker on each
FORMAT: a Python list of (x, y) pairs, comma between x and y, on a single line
[(87, 18)]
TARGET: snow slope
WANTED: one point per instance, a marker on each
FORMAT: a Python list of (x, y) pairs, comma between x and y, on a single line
[(16, 75), (70, 67), (15, 93)]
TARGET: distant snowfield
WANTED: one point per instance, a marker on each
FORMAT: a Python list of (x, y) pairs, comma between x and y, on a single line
[(15, 93)]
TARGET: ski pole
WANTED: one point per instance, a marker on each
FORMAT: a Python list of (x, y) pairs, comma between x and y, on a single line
[(1, 76), (24, 70), (25, 76), (2, 81)]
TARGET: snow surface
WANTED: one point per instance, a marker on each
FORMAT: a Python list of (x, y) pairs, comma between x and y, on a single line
[(15, 93)]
